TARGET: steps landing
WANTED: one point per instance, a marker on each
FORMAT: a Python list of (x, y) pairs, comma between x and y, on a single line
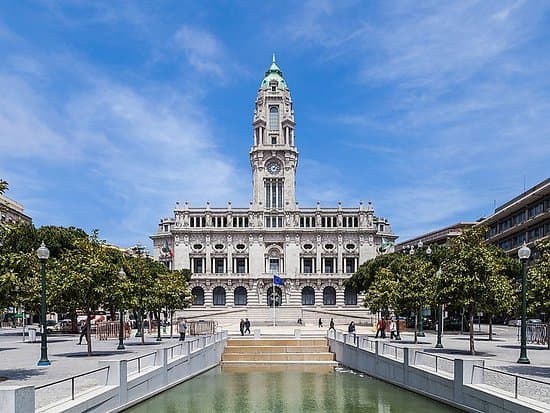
[(278, 351)]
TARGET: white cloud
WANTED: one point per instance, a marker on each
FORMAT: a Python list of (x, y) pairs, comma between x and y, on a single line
[(202, 49)]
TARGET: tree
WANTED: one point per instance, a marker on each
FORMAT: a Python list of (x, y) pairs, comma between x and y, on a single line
[(141, 288), (82, 278), (468, 272), (3, 186), (538, 280)]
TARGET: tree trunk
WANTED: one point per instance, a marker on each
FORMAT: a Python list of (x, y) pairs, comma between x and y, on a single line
[(171, 323), (74, 323), (142, 321), (471, 326), (415, 328), (490, 328), (89, 332)]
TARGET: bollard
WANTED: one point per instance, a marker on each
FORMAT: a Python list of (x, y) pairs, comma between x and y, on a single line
[(297, 333), (257, 334)]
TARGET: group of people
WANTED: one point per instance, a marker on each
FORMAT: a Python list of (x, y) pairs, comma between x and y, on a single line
[(381, 328), (244, 326)]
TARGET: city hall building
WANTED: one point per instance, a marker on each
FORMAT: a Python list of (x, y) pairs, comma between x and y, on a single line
[(233, 252)]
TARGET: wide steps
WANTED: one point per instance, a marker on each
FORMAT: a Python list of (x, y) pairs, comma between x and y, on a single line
[(276, 342), (277, 351), (278, 357)]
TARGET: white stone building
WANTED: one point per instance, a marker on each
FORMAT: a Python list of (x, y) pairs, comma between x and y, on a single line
[(234, 252)]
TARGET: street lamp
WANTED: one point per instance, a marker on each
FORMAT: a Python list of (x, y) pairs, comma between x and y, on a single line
[(439, 317), (122, 278), (421, 333), (43, 254), (524, 253)]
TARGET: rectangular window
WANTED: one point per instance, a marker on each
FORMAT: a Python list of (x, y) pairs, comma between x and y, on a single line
[(274, 265), (197, 266), (307, 264), (219, 267), (350, 265), (240, 265), (274, 140), (329, 265)]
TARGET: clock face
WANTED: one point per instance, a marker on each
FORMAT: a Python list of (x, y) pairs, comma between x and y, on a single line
[(273, 167)]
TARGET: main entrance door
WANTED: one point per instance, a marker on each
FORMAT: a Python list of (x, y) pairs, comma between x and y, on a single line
[(278, 297)]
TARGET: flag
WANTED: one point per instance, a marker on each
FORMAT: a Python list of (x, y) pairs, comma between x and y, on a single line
[(278, 280)]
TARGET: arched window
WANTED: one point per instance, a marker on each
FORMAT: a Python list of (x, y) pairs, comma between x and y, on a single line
[(240, 296), (329, 296), (350, 297), (274, 118), (308, 296), (218, 296), (278, 297), (198, 295)]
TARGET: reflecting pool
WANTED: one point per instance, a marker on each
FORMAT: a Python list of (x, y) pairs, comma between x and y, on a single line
[(288, 390)]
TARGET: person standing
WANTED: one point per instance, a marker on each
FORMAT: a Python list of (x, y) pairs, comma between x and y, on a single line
[(320, 323), (383, 328), (182, 328), (331, 325), (393, 329), (83, 332), (241, 327), (351, 328), (379, 328), (247, 326)]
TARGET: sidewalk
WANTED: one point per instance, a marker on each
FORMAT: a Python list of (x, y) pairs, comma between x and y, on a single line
[(18, 359)]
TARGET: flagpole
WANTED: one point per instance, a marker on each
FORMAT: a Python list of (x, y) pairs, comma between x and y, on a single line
[(273, 297)]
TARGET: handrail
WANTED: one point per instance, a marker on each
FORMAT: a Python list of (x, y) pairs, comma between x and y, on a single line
[(515, 376), (72, 378), (138, 358), (435, 356)]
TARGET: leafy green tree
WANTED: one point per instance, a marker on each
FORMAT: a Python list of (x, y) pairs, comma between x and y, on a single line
[(538, 281), (3, 186), (468, 273), (141, 289), (174, 292), (82, 278)]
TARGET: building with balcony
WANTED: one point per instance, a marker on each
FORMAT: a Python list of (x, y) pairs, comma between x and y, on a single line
[(233, 253), (525, 218), (437, 237)]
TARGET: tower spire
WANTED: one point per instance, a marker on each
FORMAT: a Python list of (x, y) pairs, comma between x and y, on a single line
[(273, 57)]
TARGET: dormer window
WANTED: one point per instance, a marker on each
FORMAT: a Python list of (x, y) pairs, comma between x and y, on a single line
[(273, 118)]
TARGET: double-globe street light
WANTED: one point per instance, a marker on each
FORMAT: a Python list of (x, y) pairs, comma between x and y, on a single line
[(419, 246), (523, 253), (43, 254), (122, 278)]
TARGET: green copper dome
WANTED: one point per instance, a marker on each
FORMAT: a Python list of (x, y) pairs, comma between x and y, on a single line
[(274, 73)]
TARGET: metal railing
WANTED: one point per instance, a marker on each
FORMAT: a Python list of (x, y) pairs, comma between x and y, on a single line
[(433, 361), (140, 364), (57, 396), (511, 384)]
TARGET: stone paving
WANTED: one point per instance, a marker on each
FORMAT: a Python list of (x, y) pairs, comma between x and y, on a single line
[(18, 359)]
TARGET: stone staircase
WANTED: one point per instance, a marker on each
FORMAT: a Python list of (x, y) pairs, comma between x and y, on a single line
[(277, 351)]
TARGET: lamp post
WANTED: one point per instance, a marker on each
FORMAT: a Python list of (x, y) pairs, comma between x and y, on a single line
[(43, 254), (439, 318), (524, 253), (421, 315), (122, 278)]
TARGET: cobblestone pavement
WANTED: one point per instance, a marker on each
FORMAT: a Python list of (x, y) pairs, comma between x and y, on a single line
[(18, 359)]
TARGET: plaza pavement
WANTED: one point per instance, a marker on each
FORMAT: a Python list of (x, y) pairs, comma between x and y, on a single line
[(18, 359)]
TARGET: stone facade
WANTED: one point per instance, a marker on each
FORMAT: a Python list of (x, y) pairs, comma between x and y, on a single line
[(12, 212), (234, 252)]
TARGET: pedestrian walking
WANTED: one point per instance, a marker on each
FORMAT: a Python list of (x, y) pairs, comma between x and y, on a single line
[(83, 332), (379, 327), (393, 329), (383, 328), (241, 327), (320, 323), (247, 326), (331, 324), (182, 328)]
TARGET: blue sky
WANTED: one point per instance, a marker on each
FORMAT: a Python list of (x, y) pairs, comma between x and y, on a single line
[(110, 112)]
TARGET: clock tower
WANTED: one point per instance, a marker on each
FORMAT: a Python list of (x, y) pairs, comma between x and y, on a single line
[(274, 156)]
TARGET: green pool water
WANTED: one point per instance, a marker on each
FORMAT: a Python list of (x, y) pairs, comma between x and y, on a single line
[(342, 390)]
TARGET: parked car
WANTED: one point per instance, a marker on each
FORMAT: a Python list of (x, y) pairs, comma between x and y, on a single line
[(64, 326), (50, 326), (517, 323)]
